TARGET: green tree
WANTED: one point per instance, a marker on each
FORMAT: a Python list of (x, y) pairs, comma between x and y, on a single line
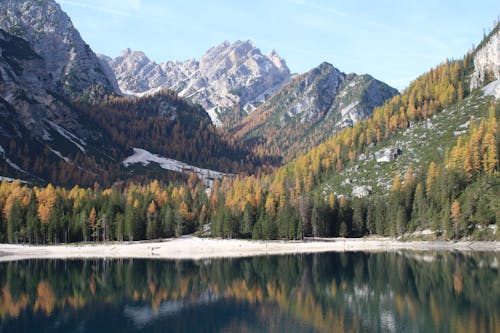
[(32, 221), (168, 223), (14, 222)]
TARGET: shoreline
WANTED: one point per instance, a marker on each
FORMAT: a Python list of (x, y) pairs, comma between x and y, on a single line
[(205, 248)]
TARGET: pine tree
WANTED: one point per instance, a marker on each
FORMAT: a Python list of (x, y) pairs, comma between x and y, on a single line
[(168, 229), (14, 221), (445, 219), (456, 214), (370, 219), (490, 157), (32, 221), (432, 174), (92, 222), (247, 223), (380, 217), (179, 224), (358, 217), (419, 208)]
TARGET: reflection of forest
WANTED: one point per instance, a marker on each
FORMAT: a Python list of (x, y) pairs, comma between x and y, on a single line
[(342, 292)]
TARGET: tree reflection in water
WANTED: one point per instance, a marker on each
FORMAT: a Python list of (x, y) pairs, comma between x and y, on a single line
[(340, 292)]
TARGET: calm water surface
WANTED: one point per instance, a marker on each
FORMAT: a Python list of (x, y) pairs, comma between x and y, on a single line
[(330, 292)]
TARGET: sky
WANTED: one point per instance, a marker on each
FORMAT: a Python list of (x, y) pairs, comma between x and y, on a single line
[(395, 41)]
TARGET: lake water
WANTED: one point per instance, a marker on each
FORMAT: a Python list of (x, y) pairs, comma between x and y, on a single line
[(329, 292)]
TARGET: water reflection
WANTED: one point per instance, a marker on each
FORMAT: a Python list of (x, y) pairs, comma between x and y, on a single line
[(340, 292)]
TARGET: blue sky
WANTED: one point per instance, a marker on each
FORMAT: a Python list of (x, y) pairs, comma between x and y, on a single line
[(395, 41)]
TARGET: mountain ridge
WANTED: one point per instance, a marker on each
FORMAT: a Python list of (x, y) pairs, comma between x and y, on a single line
[(311, 108), (229, 76), (76, 129)]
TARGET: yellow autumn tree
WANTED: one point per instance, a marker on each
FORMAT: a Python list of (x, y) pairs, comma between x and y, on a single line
[(490, 156), (455, 211), (396, 183), (152, 211), (432, 175), (92, 218), (46, 199)]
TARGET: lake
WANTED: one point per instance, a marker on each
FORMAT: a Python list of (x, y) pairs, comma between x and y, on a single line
[(328, 292)]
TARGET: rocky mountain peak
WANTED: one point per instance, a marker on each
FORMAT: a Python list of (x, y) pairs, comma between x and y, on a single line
[(311, 107), (72, 65), (277, 60), (228, 77)]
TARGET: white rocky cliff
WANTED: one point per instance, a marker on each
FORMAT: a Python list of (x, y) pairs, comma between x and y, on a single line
[(487, 60), (226, 76), (72, 66)]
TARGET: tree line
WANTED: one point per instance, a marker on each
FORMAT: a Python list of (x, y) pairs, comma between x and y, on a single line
[(456, 196)]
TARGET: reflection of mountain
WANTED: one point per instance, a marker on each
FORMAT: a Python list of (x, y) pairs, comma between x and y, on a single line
[(305, 293), (141, 315)]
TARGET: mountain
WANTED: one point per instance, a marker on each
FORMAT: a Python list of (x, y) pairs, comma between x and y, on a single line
[(71, 65), (36, 122), (310, 109), (487, 60), (229, 80), (61, 122), (425, 164)]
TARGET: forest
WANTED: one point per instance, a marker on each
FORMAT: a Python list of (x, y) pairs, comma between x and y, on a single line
[(455, 197), (162, 123)]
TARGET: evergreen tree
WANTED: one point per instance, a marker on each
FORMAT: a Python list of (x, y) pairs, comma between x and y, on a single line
[(120, 227), (179, 224), (419, 208), (247, 221), (14, 222), (370, 218), (32, 221), (168, 225)]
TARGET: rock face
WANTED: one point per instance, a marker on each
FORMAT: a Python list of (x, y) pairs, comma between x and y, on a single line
[(388, 154), (228, 77), (23, 91), (71, 65), (361, 191), (311, 107), (34, 122), (487, 60)]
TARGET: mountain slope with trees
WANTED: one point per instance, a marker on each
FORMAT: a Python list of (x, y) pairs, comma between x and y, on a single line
[(451, 192), (309, 110), (61, 123)]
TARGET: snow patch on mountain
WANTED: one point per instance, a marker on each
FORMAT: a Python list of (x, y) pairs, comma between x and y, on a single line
[(145, 157), (14, 165), (61, 156), (68, 135), (214, 116), (8, 179), (9, 162)]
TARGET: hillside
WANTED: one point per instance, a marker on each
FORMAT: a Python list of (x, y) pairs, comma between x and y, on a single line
[(310, 109), (439, 177), (424, 141)]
